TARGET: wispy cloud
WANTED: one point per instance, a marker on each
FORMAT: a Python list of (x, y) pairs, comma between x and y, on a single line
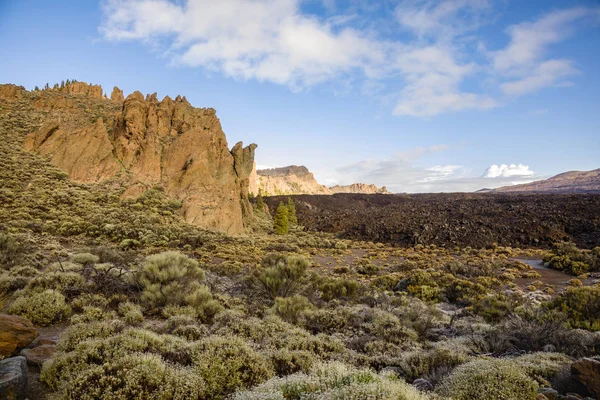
[(276, 41), (403, 172), (523, 61)]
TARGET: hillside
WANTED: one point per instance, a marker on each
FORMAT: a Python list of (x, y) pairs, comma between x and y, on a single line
[(568, 182), (139, 143)]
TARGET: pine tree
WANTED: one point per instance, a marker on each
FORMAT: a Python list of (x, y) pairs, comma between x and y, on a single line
[(36, 88), (280, 221), (259, 205), (293, 220)]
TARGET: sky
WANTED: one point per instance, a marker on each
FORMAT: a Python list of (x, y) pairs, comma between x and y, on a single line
[(416, 95)]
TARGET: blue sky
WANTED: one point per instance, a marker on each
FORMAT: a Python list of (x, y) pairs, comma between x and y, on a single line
[(416, 95)]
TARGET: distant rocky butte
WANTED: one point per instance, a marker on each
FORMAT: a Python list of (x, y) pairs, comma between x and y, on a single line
[(143, 142), (359, 188), (295, 179), (568, 182)]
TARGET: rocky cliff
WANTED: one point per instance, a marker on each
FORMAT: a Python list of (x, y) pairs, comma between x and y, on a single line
[(294, 179), (287, 181), (568, 182), (359, 188), (142, 142)]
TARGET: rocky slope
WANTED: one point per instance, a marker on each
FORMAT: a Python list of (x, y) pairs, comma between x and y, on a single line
[(287, 181), (141, 143), (359, 188), (293, 179), (568, 182)]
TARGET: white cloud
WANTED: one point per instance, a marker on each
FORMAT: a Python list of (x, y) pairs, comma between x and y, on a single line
[(529, 40), (403, 173), (275, 41), (546, 74), (445, 18), (522, 61), (508, 171)]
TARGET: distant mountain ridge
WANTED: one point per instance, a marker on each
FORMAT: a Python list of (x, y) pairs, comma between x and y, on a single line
[(297, 179), (567, 182)]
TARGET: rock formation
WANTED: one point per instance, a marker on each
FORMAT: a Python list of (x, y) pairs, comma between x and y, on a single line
[(359, 188), (15, 332), (293, 179), (568, 182), (288, 181), (13, 378), (146, 142)]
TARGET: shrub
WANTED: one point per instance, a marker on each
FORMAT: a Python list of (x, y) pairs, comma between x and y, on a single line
[(85, 259), (489, 379), (131, 313), (338, 288), (280, 275), (135, 376), (287, 361), (433, 363), (290, 309), (41, 308), (581, 305), (227, 364), (11, 251), (171, 278), (333, 380)]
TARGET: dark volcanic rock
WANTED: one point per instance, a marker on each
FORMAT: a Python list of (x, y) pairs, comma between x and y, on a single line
[(457, 219), (13, 378)]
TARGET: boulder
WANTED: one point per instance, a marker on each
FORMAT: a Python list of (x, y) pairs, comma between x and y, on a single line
[(587, 372), (549, 393), (37, 355), (13, 378), (15, 332), (423, 385)]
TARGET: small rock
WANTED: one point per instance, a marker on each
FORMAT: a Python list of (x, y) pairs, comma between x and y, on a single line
[(13, 378), (38, 355), (540, 397), (587, 372), (549, 393), (571, 396), (423, 385), (15, 332)]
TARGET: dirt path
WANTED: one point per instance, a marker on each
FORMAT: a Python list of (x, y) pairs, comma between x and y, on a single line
[(558, 279)]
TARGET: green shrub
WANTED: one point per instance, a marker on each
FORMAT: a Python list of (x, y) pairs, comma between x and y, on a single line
[(333, 380), (227, 364), (338, 288), (85, 259), (287, 361), (291, 309), (41, 308), (581, 305), (280, 276), (11, 251), (489, 379), (131, 313), (173, 279)]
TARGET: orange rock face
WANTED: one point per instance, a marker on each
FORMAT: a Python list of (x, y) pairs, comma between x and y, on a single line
[(150, 142), (15, 332)]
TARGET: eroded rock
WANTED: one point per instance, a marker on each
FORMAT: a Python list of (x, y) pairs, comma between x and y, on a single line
[(587, 372), (13, 378), (15, 332), (39, 354)]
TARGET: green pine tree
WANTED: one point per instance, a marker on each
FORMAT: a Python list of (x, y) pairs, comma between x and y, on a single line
[(36, 88), (293, 220), (280, 221), (259, 205)]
